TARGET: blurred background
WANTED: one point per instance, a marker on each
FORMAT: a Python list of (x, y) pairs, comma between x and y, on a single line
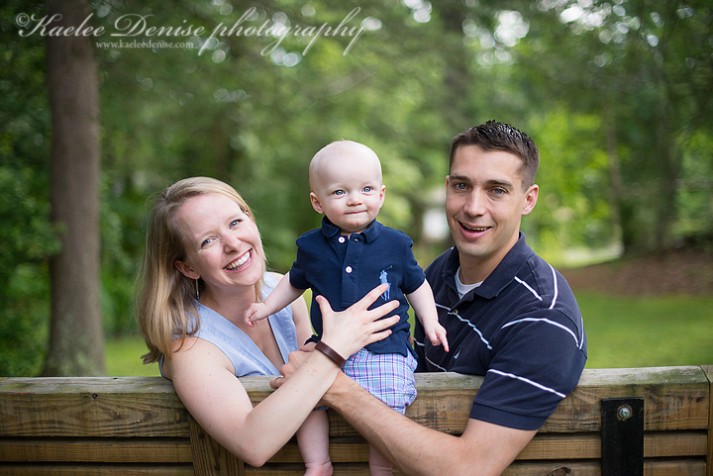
[(617, 95)]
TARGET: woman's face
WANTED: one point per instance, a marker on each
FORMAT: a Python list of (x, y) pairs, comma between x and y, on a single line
[(223, 244)]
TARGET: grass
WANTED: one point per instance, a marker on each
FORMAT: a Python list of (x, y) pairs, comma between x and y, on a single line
[(621, 332), (647, 331), (123, 358)]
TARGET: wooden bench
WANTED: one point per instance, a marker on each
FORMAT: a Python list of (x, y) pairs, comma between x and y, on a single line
[(137, 426)]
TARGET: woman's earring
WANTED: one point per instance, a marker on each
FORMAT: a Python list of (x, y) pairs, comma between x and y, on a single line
[(198, 292)]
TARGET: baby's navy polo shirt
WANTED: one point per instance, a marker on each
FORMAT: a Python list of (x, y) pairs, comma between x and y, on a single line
[(345, 268)]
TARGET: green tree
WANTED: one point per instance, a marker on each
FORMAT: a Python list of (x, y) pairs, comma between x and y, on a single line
[(615, 93), (644, 68)]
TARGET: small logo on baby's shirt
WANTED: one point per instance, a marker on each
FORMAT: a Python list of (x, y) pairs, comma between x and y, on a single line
[(384, 279)]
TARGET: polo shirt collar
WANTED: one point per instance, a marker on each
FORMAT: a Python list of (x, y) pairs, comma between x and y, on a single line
[(502, 275), (372, 232)]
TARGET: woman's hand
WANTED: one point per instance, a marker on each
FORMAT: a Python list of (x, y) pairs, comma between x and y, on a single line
[(356, 327), (348, 331)]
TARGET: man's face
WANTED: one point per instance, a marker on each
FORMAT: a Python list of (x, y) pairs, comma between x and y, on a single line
[(485, 202)]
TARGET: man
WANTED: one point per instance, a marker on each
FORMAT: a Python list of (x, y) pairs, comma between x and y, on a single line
[(509, 317)]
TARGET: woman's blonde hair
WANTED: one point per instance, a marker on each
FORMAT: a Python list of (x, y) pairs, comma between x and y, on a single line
[(166, 303)]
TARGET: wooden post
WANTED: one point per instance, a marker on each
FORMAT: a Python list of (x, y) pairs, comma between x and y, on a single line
[(209, 457), (708, 370)]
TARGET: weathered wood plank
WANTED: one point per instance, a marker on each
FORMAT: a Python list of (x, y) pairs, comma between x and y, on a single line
[(542, 447), (95, 470), (91, 407), (579, 468), (99, 450), (210, 458), (675, 444), (675, 398), (588, 446), (352, 469), (341, 450), (678, 467), (708, 371), (106, 413), (71, 385)]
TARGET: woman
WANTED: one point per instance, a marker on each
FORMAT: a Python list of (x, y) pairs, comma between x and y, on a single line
[(203, 267)]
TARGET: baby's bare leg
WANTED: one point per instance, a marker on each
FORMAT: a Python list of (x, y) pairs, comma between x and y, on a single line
[(313, 441)]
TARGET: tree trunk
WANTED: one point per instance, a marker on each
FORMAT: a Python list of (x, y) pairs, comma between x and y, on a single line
[(76, 344)]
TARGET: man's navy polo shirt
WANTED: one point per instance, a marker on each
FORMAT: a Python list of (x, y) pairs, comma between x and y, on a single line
[(521, 329), (344, 269)]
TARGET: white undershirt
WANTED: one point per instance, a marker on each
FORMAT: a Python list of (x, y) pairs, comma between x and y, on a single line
[(463, 289)]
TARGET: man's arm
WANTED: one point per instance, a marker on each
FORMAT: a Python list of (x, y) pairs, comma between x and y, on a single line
[(484, 449)]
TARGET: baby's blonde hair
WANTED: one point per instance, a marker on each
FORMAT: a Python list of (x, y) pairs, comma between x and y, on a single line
[(332, 150)]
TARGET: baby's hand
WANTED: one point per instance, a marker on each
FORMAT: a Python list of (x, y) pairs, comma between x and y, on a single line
[(256, 312), (436, 333)]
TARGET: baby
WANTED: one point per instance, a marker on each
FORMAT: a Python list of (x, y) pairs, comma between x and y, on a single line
[(351, 254)]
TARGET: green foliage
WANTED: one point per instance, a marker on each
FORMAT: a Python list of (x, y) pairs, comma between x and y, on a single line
[(617, 95), (572, 174), (27, 237), (695, 198), (23, 327), (28, 240), (627, 64), (122, 236)]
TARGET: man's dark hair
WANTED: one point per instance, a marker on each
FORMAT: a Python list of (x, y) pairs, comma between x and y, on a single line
[(495, 135)]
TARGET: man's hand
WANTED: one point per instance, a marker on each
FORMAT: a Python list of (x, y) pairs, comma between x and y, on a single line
[(295, 361)]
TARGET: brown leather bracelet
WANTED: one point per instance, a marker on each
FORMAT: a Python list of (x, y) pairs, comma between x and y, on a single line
[(330, 353)]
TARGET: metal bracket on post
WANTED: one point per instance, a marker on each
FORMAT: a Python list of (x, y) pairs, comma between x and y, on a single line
[(622, 436)]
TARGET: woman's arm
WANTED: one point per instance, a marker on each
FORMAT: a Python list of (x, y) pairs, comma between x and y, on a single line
[(204, 381)]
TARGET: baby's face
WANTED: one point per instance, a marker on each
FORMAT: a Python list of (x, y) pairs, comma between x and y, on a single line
[(347, 187)]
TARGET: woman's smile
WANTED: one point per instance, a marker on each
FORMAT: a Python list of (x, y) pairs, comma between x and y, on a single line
[(241, 262)]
